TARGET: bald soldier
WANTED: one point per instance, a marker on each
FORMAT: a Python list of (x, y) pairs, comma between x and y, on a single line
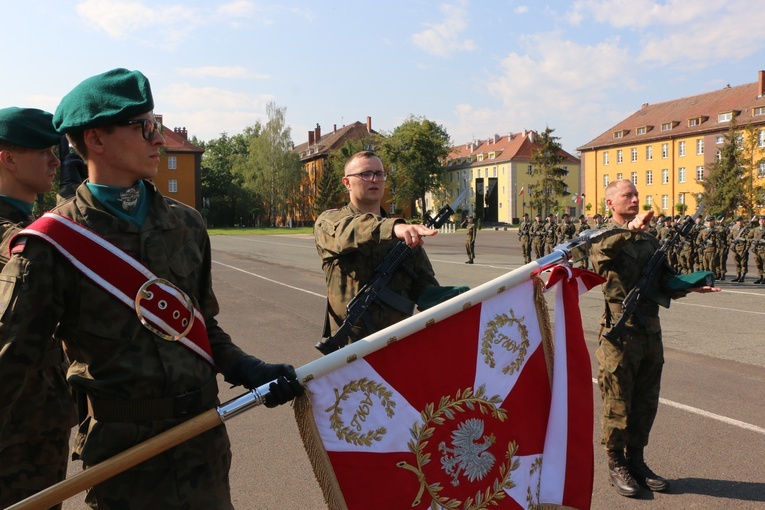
[(34, 444)]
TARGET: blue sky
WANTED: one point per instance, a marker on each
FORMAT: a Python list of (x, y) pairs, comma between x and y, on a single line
[(476, 67)]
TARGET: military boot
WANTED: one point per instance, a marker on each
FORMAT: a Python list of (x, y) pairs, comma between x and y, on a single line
[(620, 475), (758, 280), (737, 278), (642, 473)]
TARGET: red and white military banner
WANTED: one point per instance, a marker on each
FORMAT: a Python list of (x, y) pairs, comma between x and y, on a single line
[(453, 416)]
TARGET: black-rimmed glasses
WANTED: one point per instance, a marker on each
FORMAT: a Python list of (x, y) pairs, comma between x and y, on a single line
[(148, 127), (367, 176)]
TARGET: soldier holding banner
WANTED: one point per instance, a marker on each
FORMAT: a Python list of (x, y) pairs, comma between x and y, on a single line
[(135, 309), (629, 369), (34, 444)]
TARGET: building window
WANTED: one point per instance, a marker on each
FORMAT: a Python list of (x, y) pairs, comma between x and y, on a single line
[(761, 170), (619, 157), (681, 174), (605, 158), (666, 126), (618, 134), (649, 200), (172, 186), (605, 180), (759, 110), (649, 177), (724, 117), (700, 146), (530, 170), (649, 152), (694, 122), (681, 149), (699, 173), (494, 170), (172, 163), (619, 176), (664, 150), (634, 154), (665, 176), (664, 202), (634, 178), (719, 140), (641, 130), (761, 139), (739, 141), (718, 155)]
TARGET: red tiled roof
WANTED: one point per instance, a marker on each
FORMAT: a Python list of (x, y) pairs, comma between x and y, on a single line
[(333, 140), (176, 141), (742, 98), (513, 147)]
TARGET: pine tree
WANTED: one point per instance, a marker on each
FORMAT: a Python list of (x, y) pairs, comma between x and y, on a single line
[(550, 185)]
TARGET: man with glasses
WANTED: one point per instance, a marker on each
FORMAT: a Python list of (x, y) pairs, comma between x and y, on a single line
[(353, 240), (142, 361)]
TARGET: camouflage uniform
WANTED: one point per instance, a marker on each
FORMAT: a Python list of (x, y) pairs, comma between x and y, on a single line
[(538, 238), (709, 240), (551, 236), (739, 244), (579, 231), (34, 444), (124, 369), (470, 240), (723, 232), (524, 236), (629, 377), (351, 246), (757, 241), (566, 231)]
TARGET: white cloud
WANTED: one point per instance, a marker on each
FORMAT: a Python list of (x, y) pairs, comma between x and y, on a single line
[(444, 38), (522, 9), (220, 72), (236, 8)]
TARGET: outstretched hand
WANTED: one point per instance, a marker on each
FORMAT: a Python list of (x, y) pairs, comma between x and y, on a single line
[(641, 222), (412, 234)]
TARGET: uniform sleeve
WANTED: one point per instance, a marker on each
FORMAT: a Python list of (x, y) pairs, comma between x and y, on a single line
[(338, 233), (31, 305)]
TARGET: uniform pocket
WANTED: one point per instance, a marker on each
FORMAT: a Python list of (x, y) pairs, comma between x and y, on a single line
[(8, 294)]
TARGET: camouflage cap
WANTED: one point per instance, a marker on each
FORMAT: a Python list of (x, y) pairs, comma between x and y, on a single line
[(104, 100), (27, 127)]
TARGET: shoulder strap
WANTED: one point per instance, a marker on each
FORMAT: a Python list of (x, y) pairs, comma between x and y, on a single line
[(161, 307)]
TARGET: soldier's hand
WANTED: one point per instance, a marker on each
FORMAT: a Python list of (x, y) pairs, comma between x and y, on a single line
[(641, 223), (252, 372), (412, 234)]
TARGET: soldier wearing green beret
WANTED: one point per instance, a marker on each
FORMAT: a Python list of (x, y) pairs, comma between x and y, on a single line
[(738, 240), (566, 230), (538, 236), (757, 242), (524, 236), (709, 240), (551, 233), (34, 444), (135, 383), (629, 371)]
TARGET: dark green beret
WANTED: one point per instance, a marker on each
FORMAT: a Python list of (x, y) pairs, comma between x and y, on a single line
[(565, 214), (720, 218), (27, 127), (690, 281), (581, 216), (739, 218), (104, 100), (551, 215), (710, 218), (432, 296)]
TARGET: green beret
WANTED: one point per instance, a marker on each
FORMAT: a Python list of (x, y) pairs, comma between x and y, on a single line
[(104, 100), (710, 218), (690, 281), (432, 296), (739, 218), (581, 216), (720, 218), (565, 214), (27, 127)]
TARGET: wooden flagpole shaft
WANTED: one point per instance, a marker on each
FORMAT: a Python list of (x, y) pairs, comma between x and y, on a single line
[(317, 368)]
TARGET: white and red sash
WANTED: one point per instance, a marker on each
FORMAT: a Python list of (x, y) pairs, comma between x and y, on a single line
[(161, 307)]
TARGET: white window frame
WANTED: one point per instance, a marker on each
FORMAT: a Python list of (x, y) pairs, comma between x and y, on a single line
[(665, 175), (605, 180), (649, 152), (634, 154), (681, 174), (619, 157), (700, 173), (172, 163), (700, 146), (724, 117), (605, 158), (172, 186), (634, 178), (664, 202), (648, 177), (681, 149), (664, 151)]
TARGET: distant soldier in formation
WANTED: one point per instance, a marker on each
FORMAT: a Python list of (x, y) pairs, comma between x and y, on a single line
[(722, 247), (697, 250), (551, 234), (686, 254), (524, 236), (738, 240), (566, 230), (538, 236), (709, 241), (598, 219), (470, 239), (583, 225), (758, 250)]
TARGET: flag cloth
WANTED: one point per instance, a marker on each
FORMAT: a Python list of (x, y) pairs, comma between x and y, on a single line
[(575, 198), (521, 192), (452, 416)]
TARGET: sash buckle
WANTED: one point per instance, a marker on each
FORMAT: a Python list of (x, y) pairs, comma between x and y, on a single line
[(160, 304)]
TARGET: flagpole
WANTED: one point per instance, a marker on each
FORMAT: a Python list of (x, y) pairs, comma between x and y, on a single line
[(213, 417)]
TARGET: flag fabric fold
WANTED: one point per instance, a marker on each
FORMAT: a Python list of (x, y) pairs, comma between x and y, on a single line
[(453, 416)]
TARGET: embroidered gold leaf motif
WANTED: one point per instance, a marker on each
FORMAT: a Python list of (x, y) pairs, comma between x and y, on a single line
[(448, 409), (353, 433), (494, 334)]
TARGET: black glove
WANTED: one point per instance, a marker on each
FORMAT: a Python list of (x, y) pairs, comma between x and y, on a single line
[(73, 170), (252, 372)]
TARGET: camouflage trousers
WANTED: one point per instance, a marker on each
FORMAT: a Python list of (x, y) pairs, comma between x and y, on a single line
[(741, 259), (629, 380), (539, 248), (470, 249), (202, 487), (31, 465), (526, 249)]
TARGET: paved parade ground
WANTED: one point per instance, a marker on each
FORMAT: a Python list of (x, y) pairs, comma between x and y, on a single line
[(708, 439)]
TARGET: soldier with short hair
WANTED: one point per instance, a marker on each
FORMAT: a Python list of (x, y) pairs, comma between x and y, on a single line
[(34, 444), (538, 229), (566, 230), (551, 234), (738, 239), (524, 236), (709, 239)]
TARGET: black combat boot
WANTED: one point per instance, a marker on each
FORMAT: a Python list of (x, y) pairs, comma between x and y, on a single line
[(642, 473), (620, 475), (758, 280), (737, 278)]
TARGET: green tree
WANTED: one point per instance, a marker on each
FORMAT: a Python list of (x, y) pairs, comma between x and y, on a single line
[(413, 153), (751, 159), (272, 170), (550, 185), (330, 192), (723, 188)]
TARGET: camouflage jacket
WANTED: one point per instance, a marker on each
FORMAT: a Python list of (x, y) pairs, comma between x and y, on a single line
[(620, 256), (538, 229), (582, 227), (566, 231), (351, 245), (46, 402), (524, 230), (709, 238), (757, 239), (114, 357), (471, 233)]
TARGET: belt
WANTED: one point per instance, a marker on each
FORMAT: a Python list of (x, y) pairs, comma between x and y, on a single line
[(179, 406)]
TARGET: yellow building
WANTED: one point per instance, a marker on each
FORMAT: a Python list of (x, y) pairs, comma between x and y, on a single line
[(498, 172), (180, 168), (666, 148)]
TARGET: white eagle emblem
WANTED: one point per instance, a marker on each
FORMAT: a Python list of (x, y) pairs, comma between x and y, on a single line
[(470, 457)]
